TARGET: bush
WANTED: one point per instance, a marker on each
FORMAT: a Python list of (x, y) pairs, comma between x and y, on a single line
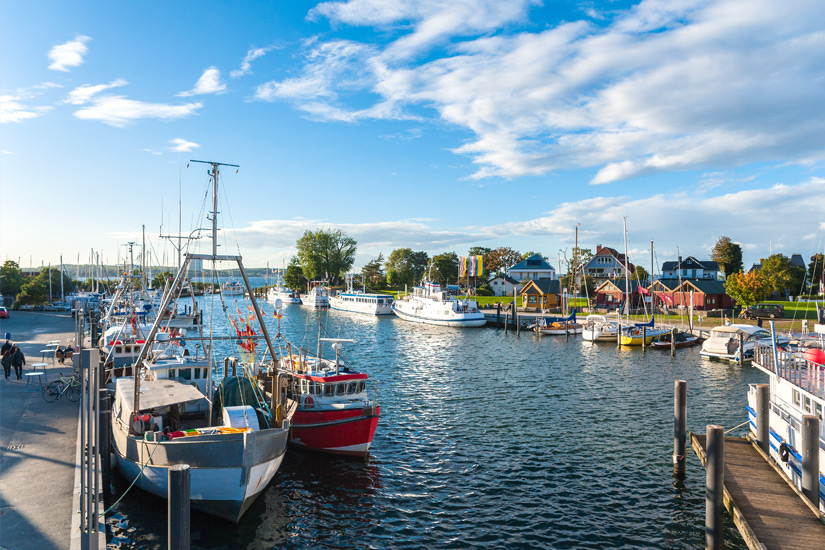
[(484, 290)]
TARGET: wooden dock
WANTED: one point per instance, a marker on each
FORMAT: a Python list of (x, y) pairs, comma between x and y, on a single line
[(769, 512)]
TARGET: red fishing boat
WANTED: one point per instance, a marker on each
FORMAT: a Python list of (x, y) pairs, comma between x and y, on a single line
[(335, 413)]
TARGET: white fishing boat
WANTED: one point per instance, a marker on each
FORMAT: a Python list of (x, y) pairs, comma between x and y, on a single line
[(233, 288), (430, 305), (233, 439), (318, 296), (797, 388), (357, 301), (723, 342)]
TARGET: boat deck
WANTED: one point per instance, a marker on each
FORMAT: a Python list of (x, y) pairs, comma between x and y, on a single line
[(766, 509)]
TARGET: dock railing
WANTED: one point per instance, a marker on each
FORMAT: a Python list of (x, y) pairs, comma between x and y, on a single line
[(805, 374)]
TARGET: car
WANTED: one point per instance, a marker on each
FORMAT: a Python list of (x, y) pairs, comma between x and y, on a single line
[(763, 310), (4, 313)]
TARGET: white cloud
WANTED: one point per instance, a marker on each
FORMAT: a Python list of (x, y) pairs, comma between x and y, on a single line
[(83, 94), (4, 152), (180, 145), (251, 55), (13, 110), (69, 54), (664, 86), (119, 111), (209, 83)]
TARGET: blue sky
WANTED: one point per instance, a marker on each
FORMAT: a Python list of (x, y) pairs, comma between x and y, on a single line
[(437, 125)]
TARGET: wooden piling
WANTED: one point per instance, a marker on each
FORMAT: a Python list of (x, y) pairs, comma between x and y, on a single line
[(714, 486), (506, 322), (810, 458), (679, 427), (741, 351), (644, 339), (672, 342), (178, 504), (763, 415)]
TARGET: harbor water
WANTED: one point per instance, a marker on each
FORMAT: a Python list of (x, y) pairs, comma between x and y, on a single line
[(486, 440)]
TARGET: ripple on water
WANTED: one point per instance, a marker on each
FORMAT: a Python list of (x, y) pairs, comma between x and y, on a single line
[(487, 441)]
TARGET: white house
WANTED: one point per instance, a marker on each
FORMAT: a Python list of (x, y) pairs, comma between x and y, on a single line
[(533, 268), (503, 285)]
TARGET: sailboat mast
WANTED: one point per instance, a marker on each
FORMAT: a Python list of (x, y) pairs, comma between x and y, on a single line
[(576, 265), (652, 298), (143, 259), (62, 296), (626, 269)]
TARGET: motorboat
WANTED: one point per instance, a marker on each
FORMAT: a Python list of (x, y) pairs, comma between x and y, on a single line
[(233, 288), (285, 294), (681, 339), (233, 438), (429, 304), (723, 342), (797, 388), (357, 301), (318, 296), (598, 328), (555, 327)]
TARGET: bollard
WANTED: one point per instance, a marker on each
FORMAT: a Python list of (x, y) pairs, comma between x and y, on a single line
[(679, 427), (763, 417), (741, 351), (714, 483), (498, 314), (506, 322), (644, 339), (178, 503), (810, 458), (672, 342)]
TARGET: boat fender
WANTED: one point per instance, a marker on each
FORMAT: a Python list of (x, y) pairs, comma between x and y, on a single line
[(784, 452)]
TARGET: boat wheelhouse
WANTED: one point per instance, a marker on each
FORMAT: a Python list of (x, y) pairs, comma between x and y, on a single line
[(723, 342)]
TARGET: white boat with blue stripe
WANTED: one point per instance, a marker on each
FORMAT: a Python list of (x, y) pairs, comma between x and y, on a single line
[(431, 305)]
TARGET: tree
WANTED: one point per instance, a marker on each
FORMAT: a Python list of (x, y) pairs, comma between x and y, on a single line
[(588, 288), (728, 255), (777, 271), (373, 273), (326, 254), (445, 268), (500, 259), (160, 279), (531, 253), (747, 289), (479, 251), (641, 275), (294, 276), (815, 271), (11, 278), (582, 256), (405, 267), (36, 290)]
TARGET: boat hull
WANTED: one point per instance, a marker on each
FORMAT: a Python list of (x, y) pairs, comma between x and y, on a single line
[(227, 471), (344, 432), (463, 321), (598, 336)]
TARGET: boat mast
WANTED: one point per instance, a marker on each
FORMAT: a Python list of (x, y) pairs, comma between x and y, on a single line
[(626, 269), (62, 296), (576, 267), (652, 297)]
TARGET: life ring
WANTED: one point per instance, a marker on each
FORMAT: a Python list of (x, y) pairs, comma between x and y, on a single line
[(784, 452), (309, 403)]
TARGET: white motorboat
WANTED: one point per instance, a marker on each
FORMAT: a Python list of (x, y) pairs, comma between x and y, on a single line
[(430, 305), (797, 388), (358, 301), (233, 439), (723, 342), (598, 328), (285, 294), (232, 288), (318, 296)]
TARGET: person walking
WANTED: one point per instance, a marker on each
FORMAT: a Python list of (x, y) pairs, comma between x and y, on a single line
[(17, 361), (6, 361)]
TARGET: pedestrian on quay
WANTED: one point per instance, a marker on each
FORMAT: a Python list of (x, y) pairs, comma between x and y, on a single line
[(6, 347), (6, 360), (17, 361)]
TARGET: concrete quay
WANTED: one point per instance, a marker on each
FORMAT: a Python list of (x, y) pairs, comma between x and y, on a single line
[(38, 442)]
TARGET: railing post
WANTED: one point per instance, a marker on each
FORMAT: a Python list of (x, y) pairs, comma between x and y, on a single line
[(763, 415), (679, 427), (178, 502), (810, 458), (714, 483)]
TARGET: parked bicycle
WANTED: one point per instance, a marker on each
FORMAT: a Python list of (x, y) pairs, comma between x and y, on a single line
[(70, 387)]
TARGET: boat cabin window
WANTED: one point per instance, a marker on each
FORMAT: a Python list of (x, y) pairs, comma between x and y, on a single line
[(197, 372), (329, 390), (796, 399), (186, 374), (170, 373), (807, 404), (352, 387), (340, 389), (361, 386), (118, 349), (127, 349), (316, 388), (304, 386), (818, 409)]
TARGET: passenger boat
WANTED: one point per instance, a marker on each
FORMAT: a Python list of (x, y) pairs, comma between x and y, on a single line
[(361, 302), (318, 296), (334, 412), (429, 304), (723, 342), (797, 388), (681, 340), (633, 335), (547, 325), (233, 439), (285, 294), (598, 328), (233, 288)]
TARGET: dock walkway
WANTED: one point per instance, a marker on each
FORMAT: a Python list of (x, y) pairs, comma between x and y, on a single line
[(767, 511)]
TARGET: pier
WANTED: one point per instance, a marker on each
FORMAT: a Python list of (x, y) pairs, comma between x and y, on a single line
[(769, 512)]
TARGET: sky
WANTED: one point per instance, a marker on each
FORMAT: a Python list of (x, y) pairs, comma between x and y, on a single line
[(436, 125)]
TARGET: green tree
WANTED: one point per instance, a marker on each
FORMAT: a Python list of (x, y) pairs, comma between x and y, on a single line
[(588, 289), (728, 255), (326, 254), (11, 278), (777, 270), (531, 253), (373, 274), (582, 256), (641, 275), (294, 276), (479, 251), (160, 279), (498, 260), (747, 289), (36, 290), (445, 268), (405, 267), (815, 271)]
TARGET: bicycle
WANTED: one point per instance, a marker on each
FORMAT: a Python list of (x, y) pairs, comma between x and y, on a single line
[(70, 387)]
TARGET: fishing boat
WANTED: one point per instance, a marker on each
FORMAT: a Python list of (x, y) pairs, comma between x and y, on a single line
[(357, 301), (167, 413), (797, 388), (681, 339), (428, 304), (633, 335), (555, 327), (334, 412), (723, 342), (318, 296), (233, 288)]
